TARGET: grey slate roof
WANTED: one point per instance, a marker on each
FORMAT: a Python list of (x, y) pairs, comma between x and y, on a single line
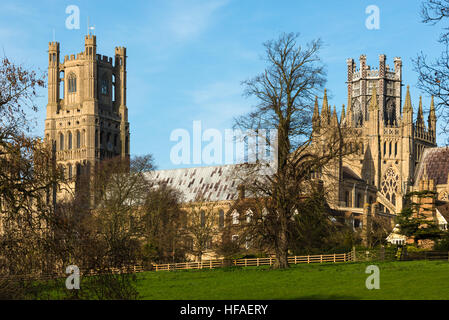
[(210, 183)]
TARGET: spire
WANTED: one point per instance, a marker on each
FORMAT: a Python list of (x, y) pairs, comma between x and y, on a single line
[(316, 115), (408, 101), (432, 117), (334, 120), (343, 114), (419, 118), (325, 112)]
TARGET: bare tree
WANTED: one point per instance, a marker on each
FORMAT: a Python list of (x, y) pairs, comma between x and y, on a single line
[(433, 75), (163, 225), (201, 227), (285, 92)]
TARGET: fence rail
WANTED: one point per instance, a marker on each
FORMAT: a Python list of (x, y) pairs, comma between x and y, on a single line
[(254, 262)]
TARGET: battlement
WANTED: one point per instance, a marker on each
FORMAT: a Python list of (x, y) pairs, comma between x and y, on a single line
[(72, 57), (104, 59), (120, 51), (423, 134), (90, 40), (366, 71), (53, 46)]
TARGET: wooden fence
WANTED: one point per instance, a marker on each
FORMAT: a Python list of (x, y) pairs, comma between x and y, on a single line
[(205, 264), (254, 262)]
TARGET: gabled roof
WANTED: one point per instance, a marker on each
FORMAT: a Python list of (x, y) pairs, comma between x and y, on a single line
[(435, 164)]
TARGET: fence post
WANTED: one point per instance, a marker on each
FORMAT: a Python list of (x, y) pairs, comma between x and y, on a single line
[(344, 257), (295, 259), (246, 264), (354, 254), (270, 261), (321, 258), (308, 258), (334, 257), (210, 263), (156, 267)]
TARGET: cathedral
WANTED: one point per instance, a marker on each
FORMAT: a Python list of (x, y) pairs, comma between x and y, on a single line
[(391, 141), (87, 116), (87, 121)]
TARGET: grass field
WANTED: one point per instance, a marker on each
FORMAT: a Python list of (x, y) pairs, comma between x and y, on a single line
[(398, 280)]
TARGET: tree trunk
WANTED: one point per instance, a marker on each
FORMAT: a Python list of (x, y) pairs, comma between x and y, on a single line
[(281, 248)]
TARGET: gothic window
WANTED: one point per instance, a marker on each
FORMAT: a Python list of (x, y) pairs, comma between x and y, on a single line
[(390, 113), (70, 171), (395, 149), (390, 185), (358, 114), (69, 144), (104, 85), (61, 141), (71, 83), (78, 139)]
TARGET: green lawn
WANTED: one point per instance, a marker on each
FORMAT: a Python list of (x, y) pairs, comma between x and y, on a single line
[(398, 280)]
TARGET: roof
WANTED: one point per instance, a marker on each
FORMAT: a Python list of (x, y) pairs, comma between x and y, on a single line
[(349, 174), (210, 183), (435, 164)]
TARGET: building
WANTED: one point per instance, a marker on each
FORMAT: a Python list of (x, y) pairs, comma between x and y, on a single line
[(87, 116), (373, 180), (391, 141), (87, 120)]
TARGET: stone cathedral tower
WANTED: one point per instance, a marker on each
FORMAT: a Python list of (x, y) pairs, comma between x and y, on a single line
[(87, 115), (391, 142)]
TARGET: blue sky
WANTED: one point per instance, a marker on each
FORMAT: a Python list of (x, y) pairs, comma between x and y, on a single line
[(186, 59)]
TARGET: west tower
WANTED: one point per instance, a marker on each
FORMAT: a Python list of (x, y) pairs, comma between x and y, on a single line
[(87, 115)]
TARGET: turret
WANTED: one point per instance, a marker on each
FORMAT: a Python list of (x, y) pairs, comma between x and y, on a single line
[(90, 52), (120, 81), (53, 78)]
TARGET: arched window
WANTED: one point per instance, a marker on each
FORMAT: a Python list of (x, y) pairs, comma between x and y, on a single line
[(390, 185), (69, 141), (61, 141), (70, 171), (71, 88), (235, 217), (104, 85), (78, 139)]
